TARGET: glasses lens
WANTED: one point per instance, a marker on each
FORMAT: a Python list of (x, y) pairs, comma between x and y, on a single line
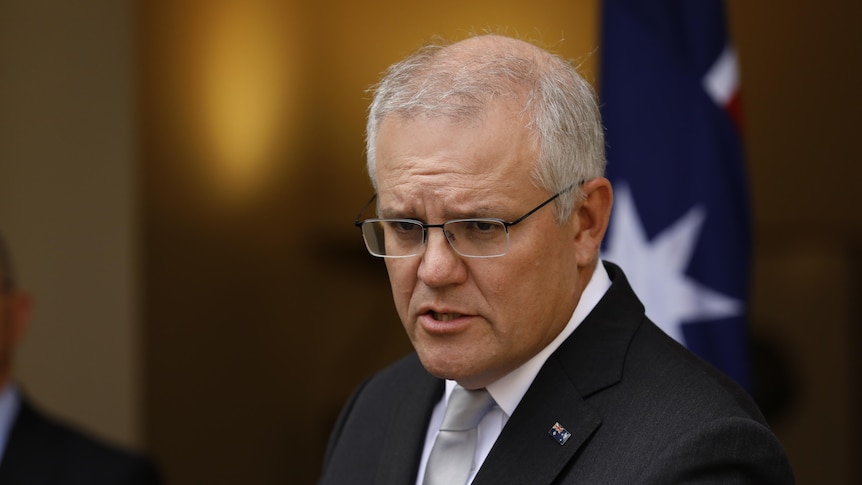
[(479, 238), (392, 238)]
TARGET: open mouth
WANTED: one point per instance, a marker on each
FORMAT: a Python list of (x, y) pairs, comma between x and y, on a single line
[(444, 317)]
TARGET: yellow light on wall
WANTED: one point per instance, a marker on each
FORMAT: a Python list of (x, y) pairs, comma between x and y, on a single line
[(244, 86)]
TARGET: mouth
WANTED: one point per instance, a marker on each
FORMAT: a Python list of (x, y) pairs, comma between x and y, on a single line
[(444, 317), (444, 322)]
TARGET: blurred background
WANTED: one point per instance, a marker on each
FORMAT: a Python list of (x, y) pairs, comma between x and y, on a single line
[(178, 181)]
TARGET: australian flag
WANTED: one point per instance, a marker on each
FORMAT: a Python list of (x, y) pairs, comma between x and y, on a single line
[(559, 433), (680, 225)]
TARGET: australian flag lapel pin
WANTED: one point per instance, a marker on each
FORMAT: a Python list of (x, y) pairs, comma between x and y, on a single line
[(559, 433)]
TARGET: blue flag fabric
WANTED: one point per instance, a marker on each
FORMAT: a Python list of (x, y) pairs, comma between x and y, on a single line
[(680, 226)]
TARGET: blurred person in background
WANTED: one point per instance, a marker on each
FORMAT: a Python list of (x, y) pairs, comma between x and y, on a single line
[(36, 449)]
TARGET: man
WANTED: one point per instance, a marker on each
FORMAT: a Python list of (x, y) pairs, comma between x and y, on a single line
[(35, 449), (487, 157)]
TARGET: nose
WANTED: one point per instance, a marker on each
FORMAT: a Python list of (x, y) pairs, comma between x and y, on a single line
[(441, 265)]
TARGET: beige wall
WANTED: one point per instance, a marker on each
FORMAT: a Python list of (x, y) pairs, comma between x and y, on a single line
[(67, 199)]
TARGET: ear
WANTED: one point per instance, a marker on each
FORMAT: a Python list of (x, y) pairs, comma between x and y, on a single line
[(14, 320), (592, 214), (20, 306)]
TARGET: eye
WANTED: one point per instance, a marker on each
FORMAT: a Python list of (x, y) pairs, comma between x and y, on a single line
[(485, 226), (481, 228), (403, 228)]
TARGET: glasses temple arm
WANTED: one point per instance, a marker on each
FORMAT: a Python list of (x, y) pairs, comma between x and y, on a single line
[(357, 222)]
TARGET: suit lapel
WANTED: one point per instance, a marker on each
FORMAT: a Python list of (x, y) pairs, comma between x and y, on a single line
[(405, 437), (525, 452), (589, 361)]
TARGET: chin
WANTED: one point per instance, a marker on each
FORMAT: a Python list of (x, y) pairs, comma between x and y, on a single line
[(463, 372), (444, 364)]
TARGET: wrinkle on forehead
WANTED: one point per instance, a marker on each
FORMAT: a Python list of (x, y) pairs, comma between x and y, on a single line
[(441, 178), (417, 189), (458, 146), (435, 165), (419, 200)]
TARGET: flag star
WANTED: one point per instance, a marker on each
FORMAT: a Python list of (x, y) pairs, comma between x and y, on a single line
[(656, 269)]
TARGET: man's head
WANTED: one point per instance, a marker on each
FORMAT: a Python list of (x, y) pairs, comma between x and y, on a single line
[(14, 313), (489, 127)]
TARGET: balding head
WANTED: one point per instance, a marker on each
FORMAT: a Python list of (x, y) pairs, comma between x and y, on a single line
[(457, 80)]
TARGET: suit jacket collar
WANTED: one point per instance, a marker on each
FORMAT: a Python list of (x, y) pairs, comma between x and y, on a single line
[(405, 438), (590, 360)]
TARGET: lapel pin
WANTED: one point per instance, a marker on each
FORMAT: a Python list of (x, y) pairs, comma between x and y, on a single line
[(559, 433)]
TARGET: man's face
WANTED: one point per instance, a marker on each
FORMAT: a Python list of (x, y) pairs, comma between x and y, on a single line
[(475, 320)]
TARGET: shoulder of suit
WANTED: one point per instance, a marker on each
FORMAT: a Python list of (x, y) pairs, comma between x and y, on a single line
[(671, 371), (53, 433)]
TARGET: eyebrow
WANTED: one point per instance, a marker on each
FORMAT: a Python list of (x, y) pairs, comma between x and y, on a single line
[(391, 213)]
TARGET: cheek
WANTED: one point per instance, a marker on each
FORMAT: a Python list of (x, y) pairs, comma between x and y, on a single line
[(505, 291), (526, 292), (402, 279)]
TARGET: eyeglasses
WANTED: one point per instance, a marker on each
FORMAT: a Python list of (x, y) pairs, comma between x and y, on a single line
[(471, 238)]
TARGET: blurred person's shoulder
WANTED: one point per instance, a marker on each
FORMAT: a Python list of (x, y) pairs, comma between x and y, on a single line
[(44, 449)]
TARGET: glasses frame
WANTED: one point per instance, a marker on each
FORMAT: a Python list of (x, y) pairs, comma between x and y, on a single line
[(506, 225)]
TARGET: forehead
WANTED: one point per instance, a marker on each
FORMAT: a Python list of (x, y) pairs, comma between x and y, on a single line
[(497, 147)]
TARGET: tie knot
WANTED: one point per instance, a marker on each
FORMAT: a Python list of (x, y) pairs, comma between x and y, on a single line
[(465, 409)]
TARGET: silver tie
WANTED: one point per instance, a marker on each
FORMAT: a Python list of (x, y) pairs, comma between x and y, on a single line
[(451, 458)]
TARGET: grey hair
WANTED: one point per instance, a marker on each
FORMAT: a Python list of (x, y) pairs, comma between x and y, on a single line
[(559, 106), (7, 274)]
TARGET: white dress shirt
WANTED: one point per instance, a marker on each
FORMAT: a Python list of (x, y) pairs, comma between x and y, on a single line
[(510, 389)]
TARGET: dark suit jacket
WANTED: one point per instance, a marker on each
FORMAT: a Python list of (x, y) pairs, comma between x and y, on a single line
[(640, 408), (41, 451)]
